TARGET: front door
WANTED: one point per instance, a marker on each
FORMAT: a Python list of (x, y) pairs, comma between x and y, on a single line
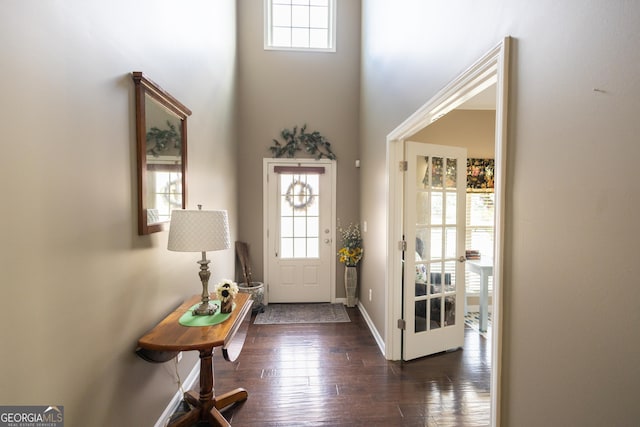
[(434, 230), (299, 230)]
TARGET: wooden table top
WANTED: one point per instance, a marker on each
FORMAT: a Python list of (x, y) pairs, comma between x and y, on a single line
[(170, 335)]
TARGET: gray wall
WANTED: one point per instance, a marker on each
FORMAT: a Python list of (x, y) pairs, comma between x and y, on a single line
[(280, 90), (78, 286), (571, 319)]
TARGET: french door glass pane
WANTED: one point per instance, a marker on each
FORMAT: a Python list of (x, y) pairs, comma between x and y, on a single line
[(450, 310), (450, 276), (452, 199), (436, 243), (450, 242), (422, 172), (436, 313), (435, 279), (436, 172), (451, 173), (421, 240), (420, 324), (421, 279), (422, 207), (436, 208)]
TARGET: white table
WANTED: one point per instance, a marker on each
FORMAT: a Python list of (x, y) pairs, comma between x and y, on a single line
[(484, 268)]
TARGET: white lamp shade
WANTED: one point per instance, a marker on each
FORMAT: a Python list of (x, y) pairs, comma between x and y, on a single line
[(198, 231)]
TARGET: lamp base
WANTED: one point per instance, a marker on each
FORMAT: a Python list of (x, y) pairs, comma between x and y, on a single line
[(205, 309)]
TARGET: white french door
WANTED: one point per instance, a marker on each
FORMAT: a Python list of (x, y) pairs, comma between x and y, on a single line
[(299, 239), (434, 230)]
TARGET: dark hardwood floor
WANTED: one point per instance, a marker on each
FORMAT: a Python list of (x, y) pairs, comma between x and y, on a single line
[(335, 375)]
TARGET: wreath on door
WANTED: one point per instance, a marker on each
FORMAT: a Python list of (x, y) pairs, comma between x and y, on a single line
[(299, 195)]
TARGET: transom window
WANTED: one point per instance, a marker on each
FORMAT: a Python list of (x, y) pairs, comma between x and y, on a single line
[(300, 25)]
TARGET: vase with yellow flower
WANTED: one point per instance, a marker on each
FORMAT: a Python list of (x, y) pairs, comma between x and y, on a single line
[(350, 255), (226, 292)]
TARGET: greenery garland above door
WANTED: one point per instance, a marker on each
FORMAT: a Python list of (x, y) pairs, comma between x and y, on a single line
[(313, 143)]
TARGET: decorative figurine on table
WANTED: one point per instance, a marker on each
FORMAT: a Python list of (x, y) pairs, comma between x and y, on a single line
[(226, 291)]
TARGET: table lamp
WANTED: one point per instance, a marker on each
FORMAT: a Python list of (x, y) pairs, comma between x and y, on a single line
[(200, 231)]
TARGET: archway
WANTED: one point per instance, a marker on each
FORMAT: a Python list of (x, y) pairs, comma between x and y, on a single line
[(490, 70)]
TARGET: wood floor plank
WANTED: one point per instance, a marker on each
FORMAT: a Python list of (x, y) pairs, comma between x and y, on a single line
[(334, 374)]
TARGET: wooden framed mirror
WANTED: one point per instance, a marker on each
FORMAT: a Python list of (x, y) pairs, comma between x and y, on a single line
[(161, 139)]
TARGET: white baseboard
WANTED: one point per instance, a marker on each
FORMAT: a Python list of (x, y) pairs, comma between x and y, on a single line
[(187, 384), (372, 328)]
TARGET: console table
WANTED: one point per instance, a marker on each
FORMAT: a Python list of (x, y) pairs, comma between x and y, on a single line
[(169, 337)]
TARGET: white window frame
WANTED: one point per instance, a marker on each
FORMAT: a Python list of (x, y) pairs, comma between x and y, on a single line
[(268, 30)]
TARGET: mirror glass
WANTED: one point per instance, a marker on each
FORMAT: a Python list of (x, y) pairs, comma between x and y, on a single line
[(161, 134)]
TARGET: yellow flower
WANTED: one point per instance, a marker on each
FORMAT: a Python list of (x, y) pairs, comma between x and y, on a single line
[(350, 256), (226, 290)]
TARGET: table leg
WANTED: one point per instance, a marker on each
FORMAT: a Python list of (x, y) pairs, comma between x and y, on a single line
[(203, 401), (484, 301), (206, 406), (187, 420), (206, 376), (215, 418), (228, 398)]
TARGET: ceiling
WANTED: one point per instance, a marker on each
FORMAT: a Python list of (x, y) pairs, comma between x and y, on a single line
[(485, 100)]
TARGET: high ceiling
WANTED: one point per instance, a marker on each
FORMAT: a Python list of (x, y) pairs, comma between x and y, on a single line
[(485, 100)]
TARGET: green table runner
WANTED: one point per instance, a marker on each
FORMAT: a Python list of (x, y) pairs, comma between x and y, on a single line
[(188, 319)]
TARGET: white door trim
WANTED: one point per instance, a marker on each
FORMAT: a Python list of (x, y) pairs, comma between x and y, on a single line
[(266, 162), (492, 68)]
